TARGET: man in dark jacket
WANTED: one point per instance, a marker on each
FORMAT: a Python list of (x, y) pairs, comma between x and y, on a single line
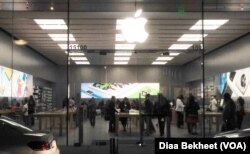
[(162, 110), (229, 114), (112, 111), (148, 112)]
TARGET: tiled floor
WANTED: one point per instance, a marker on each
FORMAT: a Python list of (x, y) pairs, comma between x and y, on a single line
[(96, 139), (100, 132)]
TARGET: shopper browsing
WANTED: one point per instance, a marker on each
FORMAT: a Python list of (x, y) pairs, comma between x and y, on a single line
[(240, 111), (179, 111)]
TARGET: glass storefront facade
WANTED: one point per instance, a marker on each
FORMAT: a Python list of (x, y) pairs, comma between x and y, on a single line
[(75, 50)]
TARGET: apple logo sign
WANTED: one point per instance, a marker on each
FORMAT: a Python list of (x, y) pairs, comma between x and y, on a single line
[(133, 29)]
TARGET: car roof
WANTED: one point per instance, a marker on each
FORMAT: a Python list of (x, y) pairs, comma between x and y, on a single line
[(13, 123)]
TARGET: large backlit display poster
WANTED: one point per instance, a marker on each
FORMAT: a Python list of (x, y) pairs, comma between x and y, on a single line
[(236, 83), (119, 90), (14, 83)]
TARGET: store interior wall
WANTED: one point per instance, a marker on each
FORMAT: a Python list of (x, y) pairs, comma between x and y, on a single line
[(43, 83), (232, 56), (25, 59), (168, 77)]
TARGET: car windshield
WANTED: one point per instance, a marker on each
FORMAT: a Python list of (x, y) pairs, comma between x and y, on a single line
[(19, 127)]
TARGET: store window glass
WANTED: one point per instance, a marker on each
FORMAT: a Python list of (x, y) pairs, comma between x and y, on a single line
[(225, 23), (31, 91)]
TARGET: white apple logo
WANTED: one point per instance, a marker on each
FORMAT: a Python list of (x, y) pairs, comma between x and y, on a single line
[(133, 29)]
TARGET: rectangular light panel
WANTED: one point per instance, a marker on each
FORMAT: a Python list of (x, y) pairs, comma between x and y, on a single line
[(51, 23), (180, 46), (121, 58), (82, 62), (191, 37), (120, 62), (78, 58), (123, 53), (173, 54), (76, 54), (61, 37), (159, 63), (164, 58), (209, 24)]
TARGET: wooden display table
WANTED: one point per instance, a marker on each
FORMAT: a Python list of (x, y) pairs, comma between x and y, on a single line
[(123, 114), (3, 112), (210, 116), (49, 118)]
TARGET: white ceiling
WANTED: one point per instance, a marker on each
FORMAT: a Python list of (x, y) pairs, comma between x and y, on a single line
[(93, 23)]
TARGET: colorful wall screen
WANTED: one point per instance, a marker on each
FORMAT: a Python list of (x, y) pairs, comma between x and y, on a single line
[(119, 90), (14, 83), (236, 83)]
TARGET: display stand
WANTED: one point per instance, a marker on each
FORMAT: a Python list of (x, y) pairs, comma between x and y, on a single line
[(43, 98)]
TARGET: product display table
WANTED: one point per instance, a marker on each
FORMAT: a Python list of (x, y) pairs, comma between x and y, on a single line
[(49, 118), (123, 114), (5, 112), (210, 116)]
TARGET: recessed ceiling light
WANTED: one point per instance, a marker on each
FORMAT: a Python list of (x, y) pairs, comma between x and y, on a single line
[(122, 58), (78, 58), (82, 62), (65, 46), (173, 54), (159, 63), (20, 42), (121, 62), (76, 54), (209, 24), (164, 58), (61, 37), (123, 53), (180, 46), (51, 23), (125, 46), (52, 8), (119, 38), (191, 37)]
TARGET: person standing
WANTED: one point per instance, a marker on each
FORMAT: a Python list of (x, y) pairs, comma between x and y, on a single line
[(65, 102), (149, 111), (31, 110), (112, 111), (92, 111), (213, 104), (179, 110), (25, 112), (240, 111), (162, 110), (213, 107), (192, 114), (124, 106), (229, 114)]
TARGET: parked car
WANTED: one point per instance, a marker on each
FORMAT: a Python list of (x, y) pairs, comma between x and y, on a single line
[(234, 134), (16, 138)]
